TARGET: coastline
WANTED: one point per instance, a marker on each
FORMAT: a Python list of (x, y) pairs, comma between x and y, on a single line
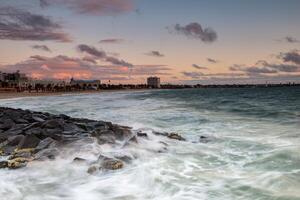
[(13, 95)]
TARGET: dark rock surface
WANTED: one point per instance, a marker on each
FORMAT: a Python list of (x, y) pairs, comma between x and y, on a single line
[(26, 136)]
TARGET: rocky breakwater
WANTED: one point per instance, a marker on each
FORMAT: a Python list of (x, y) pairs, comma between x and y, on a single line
[(27, 136)]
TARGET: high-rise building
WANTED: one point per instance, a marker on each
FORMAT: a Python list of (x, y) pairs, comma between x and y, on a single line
[(153, 82)]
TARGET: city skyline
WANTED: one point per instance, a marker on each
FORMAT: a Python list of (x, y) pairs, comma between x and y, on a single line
[(126, 41)]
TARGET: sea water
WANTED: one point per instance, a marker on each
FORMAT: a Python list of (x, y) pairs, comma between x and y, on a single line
[(252, 151)]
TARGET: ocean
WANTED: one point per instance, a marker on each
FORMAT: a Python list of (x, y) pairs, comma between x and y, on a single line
[(251, 150)]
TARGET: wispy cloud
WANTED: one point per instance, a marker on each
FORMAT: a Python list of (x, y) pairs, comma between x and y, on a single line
[(102, 55), (193, 75), (65, 67), (111, 41), (155, 54), (198, 67), (195, 31), (211, 60), (289, 39), (93, 7), (17, 24), (41, 47)]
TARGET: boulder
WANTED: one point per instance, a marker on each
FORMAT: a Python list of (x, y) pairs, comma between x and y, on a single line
[(17, 163), (53, 124), (79, 160), (141, 134), (92, 169), (46, 143), (3, 164), (7, 124), (112, 164), (176, 136), (29, 141), (15, 140)]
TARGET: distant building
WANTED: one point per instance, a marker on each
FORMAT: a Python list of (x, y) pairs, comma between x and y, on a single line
[(153, 82), (15, 79), (85, 83)]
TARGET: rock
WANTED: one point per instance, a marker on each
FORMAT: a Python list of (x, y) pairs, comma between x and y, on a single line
[(141, 134), (176, 136), (46, 154), (92, 169), (37, 118), (123, 157), (103, 137), (160, 133), (30, 126), (29, 141), (204, 139), (79, 160), (53, 124), (22, 153), (17, 163), (46, 143), (21, 121), (7, 124), (112, 164), (3, 164), (15, 140)]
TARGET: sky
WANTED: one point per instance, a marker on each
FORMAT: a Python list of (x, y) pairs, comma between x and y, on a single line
[(125, 41)]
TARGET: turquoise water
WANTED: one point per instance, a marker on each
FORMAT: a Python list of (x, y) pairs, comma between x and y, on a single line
[(253, 150)]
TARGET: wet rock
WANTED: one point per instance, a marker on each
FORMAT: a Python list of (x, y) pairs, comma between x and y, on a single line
[(53, 124), (79, 160), (3, 164), (123, 157), (112, 164), (29, 141), (17, 163), (141, 134), (204, 139), (22, 153), (7, 124), (21, 121), (15, 140), (92, 169), (160, 133), (46, 154), (37, 118), (176, 136), (46, 143)]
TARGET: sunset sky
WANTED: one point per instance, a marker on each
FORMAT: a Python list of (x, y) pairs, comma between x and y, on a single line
[(125, 41)]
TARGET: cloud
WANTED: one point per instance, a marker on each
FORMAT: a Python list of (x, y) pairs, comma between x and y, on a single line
[(194, 75), (263, 67), (65, 67), (93, 7), (289, 39), (211, 60), (198, 67), (194, 30), (155, 54), (41, 47), (111, 41), (291, 56), (252, 69), (102, 55), (16, 24)]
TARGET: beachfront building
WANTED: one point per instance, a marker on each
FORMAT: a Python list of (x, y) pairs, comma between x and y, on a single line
[(16, 79), (153, 82), (89, 84)]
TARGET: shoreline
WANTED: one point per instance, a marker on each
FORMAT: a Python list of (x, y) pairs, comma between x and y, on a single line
[(13, 95)]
